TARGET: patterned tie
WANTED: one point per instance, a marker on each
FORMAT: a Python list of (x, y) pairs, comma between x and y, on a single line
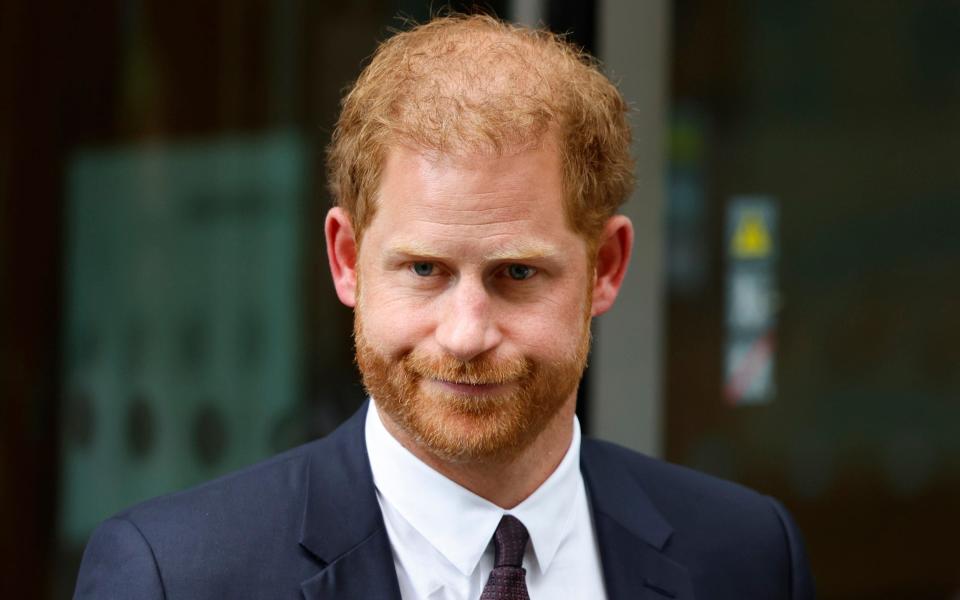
[(507, 578)]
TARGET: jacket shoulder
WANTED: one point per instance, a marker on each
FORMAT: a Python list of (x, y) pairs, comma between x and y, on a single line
[(675, 488), (205, 541), (726, 534)]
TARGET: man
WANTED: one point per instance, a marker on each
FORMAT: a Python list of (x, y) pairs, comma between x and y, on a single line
[(477, 169)]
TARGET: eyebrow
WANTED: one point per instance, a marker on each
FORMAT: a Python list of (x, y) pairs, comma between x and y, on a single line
[(516, 251)]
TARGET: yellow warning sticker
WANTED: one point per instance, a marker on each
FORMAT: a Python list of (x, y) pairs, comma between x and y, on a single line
[(751, 239)]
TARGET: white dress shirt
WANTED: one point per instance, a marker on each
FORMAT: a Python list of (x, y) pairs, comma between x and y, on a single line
[(441, 532)]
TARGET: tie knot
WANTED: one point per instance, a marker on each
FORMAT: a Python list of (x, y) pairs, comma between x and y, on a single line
[(510, 541)]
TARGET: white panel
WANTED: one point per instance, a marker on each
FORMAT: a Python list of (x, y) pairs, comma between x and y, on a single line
[(626, 393), (527, 12)]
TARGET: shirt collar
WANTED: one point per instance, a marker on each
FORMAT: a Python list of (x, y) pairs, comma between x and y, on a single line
[(458, 523)]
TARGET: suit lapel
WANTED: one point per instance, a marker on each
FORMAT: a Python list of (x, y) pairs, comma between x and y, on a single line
[(343, 528), (366, 571), (342, 525), (633, 569), (631, 532)]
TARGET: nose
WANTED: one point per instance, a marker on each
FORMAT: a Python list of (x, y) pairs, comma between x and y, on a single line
[(467, 327)]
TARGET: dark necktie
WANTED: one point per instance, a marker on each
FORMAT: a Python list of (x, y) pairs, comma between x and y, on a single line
[(507, 578)]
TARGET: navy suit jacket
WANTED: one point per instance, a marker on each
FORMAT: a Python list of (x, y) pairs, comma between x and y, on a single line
[(306, 524)]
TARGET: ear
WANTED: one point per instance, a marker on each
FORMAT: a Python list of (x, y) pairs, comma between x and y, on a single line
[(613, 256), (342, 254)]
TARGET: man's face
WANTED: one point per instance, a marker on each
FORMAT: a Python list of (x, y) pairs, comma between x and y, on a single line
[(472, 319)]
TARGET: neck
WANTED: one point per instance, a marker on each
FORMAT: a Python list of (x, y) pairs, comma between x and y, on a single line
[(508, 481)]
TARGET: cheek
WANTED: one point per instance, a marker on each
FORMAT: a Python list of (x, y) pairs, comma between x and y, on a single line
[(550, 328), (391, 324)]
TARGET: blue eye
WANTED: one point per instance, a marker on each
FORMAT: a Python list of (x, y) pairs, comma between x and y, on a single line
[(520, 272), (423, 269)]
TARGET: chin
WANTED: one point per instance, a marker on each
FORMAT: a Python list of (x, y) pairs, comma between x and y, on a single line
[(464, 427), (492, 436)]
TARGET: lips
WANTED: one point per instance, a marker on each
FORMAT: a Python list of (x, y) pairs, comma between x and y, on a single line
[(469, 388), (474, 375)]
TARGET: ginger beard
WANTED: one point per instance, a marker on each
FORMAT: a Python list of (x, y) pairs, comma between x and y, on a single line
[(455, 427)]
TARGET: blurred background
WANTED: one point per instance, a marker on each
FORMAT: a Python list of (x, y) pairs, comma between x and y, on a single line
[(790, 321)]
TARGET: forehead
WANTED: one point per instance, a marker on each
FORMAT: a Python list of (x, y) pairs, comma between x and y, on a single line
[(471, 197)]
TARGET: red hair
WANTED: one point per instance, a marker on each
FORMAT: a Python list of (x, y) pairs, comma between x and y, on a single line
[(468, 85)]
